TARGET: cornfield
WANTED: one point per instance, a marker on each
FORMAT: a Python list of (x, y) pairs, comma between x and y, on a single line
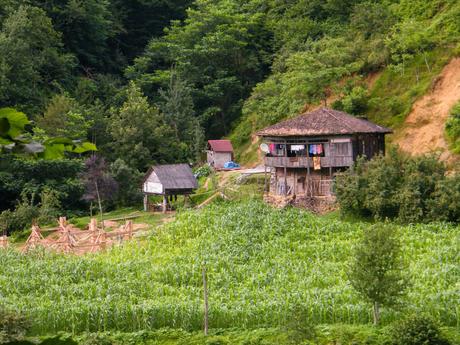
[(264, 266)]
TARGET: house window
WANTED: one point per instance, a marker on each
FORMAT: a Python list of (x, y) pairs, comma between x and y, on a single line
[(341, 149), (316, 150)]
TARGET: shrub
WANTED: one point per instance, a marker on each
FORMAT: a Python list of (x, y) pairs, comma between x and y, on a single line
[(355, 101), (21, 218), (203, 171), (50, 206), (445, 204), (417, 330), (13, 326), (129, 180), (453, 128), (34, 176), (400, 187)]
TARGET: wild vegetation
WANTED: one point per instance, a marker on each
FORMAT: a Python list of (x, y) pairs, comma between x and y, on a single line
[(453, 128), (146, 82), (266, 268), (397, 186)]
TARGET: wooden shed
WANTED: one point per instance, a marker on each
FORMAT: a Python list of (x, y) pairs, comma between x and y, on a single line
[(169, 181), (306, 152), (219, 152)]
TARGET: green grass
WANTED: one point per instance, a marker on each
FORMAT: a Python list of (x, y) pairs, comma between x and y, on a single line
[(395, 92), (320, 335), (265, 268)]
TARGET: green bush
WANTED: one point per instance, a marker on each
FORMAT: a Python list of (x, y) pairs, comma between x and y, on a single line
[(408, 189), (354, 101), (203, 171), (21, 218), (453, 128), (13, 326), (19, 175), (28, 211), (417, 330), (128, 179)]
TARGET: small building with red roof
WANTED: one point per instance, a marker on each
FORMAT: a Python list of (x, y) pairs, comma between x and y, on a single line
[(219, 152)]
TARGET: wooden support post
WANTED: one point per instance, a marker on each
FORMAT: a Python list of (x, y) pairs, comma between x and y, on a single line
[(165, 203), (295, 181), (285, 167), (265, 179), (332, 157), (3, 242), (206, 305), (146, 202), (62, 223), (129, 228), (93, 224), (308, 171)]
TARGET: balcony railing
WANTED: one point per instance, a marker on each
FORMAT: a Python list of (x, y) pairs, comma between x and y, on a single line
[(305, 162)]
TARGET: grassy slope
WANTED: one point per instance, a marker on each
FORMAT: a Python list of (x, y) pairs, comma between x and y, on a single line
[(266, 268)]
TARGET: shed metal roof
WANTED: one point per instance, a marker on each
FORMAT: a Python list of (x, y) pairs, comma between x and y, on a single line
[(220, 145), (174, 176), (323, 121)]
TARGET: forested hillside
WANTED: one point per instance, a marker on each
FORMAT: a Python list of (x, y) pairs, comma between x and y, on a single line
[(149, 81), (181, 71)]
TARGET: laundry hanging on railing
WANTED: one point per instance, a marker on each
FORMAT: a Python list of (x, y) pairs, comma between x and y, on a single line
[(316, 163), (316, 149)]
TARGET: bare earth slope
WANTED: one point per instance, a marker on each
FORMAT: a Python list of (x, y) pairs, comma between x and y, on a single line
[(423, 130)]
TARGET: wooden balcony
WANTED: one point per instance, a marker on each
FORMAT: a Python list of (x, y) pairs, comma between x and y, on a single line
[(305, 162)]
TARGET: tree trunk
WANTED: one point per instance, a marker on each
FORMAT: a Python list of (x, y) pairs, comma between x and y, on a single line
[(100, 205), (426, 62), (376, 313)]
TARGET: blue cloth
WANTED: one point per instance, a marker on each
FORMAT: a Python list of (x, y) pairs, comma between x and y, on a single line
[(231, 165)]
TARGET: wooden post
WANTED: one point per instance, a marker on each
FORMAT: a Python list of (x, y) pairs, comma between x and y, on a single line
[(146, 202), (308, 170), (165, 203), (331, 158), (265, 179), (3, 242), (285, 167), (206, 305), (62, 223), (295, 182)]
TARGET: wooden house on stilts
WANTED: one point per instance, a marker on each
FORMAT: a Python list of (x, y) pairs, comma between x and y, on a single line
[(305, 153), (168, 181)]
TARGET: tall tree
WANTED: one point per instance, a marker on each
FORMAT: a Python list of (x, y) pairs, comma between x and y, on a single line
[(221, 49), (139, 133), (32, 61), (63, 118), (176, 104), (99, 185), (376, 270)]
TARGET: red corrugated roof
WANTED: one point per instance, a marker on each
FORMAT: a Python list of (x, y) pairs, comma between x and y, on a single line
[(220, 145)]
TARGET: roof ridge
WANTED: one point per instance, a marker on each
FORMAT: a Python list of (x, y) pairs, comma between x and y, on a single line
[(335, 117)]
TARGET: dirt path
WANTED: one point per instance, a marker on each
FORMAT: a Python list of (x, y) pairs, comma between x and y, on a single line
[(423, 130)]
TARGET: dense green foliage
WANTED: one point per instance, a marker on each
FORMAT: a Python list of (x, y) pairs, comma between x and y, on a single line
[(321, 335), (18, 176), (13, 326), (453, 128), (266, 267), (418, 329), (376, 271), (149, 81), (399, 187)]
